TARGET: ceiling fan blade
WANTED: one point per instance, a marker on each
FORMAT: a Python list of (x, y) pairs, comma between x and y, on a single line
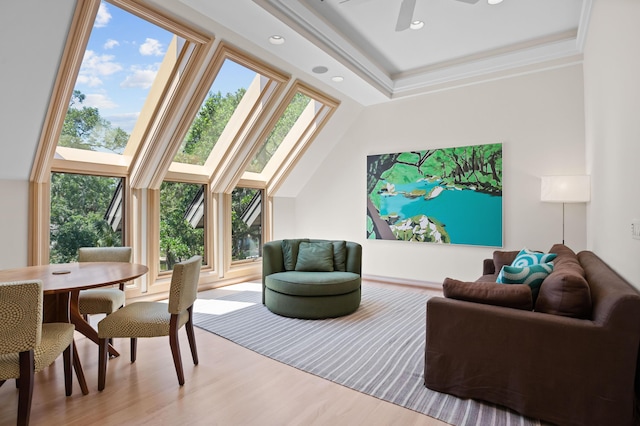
[(353, 1), (406, 14), (470, 1)]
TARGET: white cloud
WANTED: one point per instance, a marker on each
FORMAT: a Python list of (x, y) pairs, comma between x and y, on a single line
[(110, 44), (89, 80), (99, 101), (96, 66), (151, 47), (125, 121), (140, 78), (103, 17)]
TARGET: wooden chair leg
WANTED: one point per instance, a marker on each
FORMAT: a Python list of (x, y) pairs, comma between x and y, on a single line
[(175, 348), (77, 366), (192, 337), (68, 369), (25, 392), (102, 363), (134, 349)]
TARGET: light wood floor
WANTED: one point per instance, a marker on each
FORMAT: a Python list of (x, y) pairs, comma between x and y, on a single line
[(230, 386)]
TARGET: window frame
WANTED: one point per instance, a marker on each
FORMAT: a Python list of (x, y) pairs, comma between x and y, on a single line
[(150, 163)]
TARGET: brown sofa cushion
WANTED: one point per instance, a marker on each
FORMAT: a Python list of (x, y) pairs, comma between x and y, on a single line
[(517, 296), (565, 291), (566, 294), (502, 258)]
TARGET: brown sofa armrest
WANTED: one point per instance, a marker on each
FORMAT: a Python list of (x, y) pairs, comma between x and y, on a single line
[(563, 370), (488, 268)]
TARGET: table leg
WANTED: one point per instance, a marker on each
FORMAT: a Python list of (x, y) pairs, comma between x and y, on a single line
[(79, 373), (83, 326)]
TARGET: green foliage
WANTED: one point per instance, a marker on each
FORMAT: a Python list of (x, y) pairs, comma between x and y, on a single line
[(279, 132), (246, 239), (178, 239), (78, 205), (84, 128), (207, 127), (478, 166)]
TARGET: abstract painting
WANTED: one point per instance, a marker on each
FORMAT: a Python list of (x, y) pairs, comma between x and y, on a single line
[(444, 195)]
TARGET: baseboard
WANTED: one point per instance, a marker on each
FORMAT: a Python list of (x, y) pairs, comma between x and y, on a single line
[(426, 285)]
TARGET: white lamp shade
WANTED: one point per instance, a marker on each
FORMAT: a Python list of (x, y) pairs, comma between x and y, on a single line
[(565, 189)]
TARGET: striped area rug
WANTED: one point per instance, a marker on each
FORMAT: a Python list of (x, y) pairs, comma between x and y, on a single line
[(378, 350)]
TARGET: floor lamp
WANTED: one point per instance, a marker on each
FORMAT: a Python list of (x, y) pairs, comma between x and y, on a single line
[(565, 189)]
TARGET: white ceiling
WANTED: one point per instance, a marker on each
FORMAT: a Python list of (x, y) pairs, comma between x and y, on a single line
[(459, 44)]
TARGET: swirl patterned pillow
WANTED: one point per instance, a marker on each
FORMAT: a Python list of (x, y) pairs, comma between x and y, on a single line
[(527, 258), (532, 275)]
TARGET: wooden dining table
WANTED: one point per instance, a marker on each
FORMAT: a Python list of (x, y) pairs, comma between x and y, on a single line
[(62, 283)]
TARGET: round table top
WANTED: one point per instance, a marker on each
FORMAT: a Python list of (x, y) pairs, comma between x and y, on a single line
[(64, 277)]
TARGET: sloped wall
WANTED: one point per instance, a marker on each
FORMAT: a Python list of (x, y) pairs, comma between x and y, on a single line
[(539, 118)]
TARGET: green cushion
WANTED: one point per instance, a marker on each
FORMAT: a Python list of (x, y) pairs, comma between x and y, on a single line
[(313, 283), (290, 252), (527, 258), (339, 255), (315, 257), (532, 275)]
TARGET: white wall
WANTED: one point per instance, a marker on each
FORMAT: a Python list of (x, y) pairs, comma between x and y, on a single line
[(612, 111), (14, 222), (539, 118)]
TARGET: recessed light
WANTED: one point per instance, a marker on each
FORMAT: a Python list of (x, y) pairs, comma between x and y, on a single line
[(337, 78), (416, 25), (276, 39), (494, 1), (320, 69)]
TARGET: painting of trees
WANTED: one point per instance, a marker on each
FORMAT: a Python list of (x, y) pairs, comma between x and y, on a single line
[(416, 195)]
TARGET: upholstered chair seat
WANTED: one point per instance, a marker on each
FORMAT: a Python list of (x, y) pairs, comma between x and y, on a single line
[(26, 345), (140, 319), (155, 319), (102, 300)]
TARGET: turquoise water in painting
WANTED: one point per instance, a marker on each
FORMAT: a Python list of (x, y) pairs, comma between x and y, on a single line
[(469, 217)]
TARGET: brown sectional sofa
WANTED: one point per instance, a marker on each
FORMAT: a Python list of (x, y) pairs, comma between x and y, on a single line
[(572, 360)]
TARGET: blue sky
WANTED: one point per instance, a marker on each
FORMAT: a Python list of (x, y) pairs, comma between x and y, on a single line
[(122, 59)]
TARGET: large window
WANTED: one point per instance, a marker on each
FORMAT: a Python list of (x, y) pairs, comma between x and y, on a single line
[(246, 224), (86, 211), (161, 137), (283, 127), (120, 64), (223, 98), (182, 222)]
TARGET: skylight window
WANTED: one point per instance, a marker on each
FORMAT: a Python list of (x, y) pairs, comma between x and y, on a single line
[(120, 63), (283, 127), (223, 98)]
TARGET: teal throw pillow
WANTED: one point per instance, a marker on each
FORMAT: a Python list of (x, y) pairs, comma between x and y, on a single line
[(290, 252), (532, 275), (527, 258), (315, 257)]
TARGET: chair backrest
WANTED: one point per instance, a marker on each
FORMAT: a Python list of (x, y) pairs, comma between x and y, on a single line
[(104, 254), (20, 316), (184, 284)]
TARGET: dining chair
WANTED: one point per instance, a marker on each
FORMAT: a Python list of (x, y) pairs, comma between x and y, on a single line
[(102, 300), (28, 346), (154, 319)]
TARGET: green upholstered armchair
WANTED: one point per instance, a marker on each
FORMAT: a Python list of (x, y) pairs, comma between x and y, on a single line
[(313, 279)]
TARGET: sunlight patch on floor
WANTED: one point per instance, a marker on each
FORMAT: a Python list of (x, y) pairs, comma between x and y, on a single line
[(244, 287), (218, 307), (207, 302)]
